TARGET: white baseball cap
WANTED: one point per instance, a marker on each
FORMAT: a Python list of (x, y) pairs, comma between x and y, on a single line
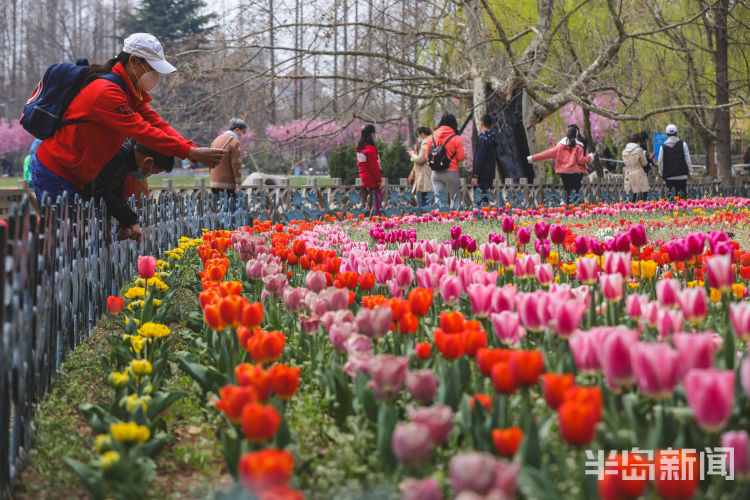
[(671, 129), (146, 45)]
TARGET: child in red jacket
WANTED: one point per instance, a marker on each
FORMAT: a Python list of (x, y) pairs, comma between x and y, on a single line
[(369, 168), (75, 154)]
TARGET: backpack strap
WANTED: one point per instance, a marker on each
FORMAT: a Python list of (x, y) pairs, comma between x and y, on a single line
[(110, 77), (446, 143)]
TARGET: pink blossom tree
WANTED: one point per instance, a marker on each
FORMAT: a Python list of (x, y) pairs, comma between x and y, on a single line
[(13, 138), (305, 138)]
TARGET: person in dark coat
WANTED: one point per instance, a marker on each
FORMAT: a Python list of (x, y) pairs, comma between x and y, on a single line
[(485, 158), (109, 185)]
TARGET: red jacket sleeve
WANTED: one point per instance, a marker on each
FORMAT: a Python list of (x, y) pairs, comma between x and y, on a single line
[(154, 119), (581, 157), (112, 107), (546, 155)]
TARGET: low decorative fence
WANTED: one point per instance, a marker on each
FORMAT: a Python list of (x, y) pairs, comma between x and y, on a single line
[(59, 269)]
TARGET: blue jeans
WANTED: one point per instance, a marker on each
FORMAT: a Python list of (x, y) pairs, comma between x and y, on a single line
[(422, 198), (45, 181)]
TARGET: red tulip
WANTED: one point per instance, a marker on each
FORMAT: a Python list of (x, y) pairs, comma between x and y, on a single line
[(114, 304)]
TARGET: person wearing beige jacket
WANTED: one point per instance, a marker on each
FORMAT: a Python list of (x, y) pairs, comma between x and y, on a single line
[(420, 177), (634, 156), (227, 175)]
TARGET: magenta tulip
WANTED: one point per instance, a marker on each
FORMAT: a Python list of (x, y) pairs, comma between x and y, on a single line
[(695, 351), (637, 234), (508, 328), (438, 419), (668, 292), (422, 385), (557, 234), (507, 224), (613, 350), (544, 274), (588, 270), (695, 243), (541, 229), (738, 442), (583, 346), (678, 251), (710, 394), (720, 272), (739, 314), (480, 297), (745, 375), (146, 266), (566, 317), (694, 304), (411, 443), (524, 235), (581, 245), (656, 369), (611, 285)]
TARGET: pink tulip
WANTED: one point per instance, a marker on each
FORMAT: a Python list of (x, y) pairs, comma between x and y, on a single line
[(720, 272), (375, 322), (668, 321), (507, 326), (588, 270), (294, 298), (481, 299), (473, 471), (404, 276), (506, 479), (450, 289), (526, 266), (332, 317), (677, 251), (582, 294), (557, 234), (335, 299), (309, 324), (656, 368), (532, 309), (583, 346), (614, 355), (507, 257), (544, 274), (633, 305), (404, 250), (566, 317), (617, 263), (745, 375), (357, 363), (739, 314), (710, 394), (146, 266), (357, 344), (339, 333), (668, 292), (490, 252), (422, 385), (316, 281), (438, 418), (695, 351), (254, 269), (504, 298), (695, 243), (411, 443), (396, 291), (387, 375), (611, 285), (738, 442), (694, 304), (637, 234), (276, 284), (420, 489), (383, 272), (651, 313), (542, 247)]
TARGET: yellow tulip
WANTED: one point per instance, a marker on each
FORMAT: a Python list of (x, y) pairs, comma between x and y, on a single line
[(129, 432)]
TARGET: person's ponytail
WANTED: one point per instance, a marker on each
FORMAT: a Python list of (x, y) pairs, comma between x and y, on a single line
[(94, 71), (572, 136)]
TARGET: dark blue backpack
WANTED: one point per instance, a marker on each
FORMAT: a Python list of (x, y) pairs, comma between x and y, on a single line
[(42, 113)]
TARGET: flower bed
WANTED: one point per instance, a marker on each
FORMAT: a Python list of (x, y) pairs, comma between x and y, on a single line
[(549, 353)]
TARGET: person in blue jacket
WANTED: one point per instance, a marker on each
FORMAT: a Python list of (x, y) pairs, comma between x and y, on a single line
[(485, 158)]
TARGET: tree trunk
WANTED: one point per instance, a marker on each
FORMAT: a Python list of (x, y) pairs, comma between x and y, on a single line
[(529, 125), (723, 132), (271, 43), (587, 132)]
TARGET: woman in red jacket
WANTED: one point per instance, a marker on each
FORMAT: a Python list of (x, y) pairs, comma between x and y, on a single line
[(570, 161), (75, 154), (369, 168)]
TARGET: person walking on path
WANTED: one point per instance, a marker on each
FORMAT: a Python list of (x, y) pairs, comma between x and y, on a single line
[(368, 163), (636, 159), (485, 159), (134, 160), (674, 162), (446, 135), (570, 161), (105, 115), (420, 177), (226, 177)]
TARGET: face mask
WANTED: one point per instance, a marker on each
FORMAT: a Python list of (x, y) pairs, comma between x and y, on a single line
[(149, 80), (419, 139), (137, 174), (375, 138)]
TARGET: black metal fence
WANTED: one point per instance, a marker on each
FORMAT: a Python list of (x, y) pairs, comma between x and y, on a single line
[(59, 268)]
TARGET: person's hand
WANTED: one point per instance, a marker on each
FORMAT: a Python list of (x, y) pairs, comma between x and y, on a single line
[(528, 159), (652, 155), (474, 181), (690, 176), (136, 233), (208, 156), (123, 233)]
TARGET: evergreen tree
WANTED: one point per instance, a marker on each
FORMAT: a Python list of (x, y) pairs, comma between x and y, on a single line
[(173, 22)]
